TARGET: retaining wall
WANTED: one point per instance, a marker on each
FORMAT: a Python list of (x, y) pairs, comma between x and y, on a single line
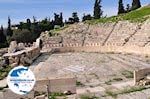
[(96, 47)]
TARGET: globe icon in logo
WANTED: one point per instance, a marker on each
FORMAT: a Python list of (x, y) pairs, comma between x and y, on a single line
[(21, 80)]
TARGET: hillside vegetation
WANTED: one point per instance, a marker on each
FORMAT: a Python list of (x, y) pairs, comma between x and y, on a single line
[(139, 15)]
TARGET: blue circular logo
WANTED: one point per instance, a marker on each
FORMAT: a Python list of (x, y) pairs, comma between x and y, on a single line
[(21, 80)]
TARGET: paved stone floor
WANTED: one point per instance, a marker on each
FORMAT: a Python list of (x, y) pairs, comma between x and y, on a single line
[(95, 71), (88, 66)]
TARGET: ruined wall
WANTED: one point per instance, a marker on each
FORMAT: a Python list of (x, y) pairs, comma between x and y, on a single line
[(26, 55), (140, 74), (120, 37), (56, 85), (96, 47), (106, 49)]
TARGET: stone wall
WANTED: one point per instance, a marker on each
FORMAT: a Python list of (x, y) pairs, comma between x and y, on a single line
[(140, 74), (110, 48), (24, 56), (58, 85), (55, 85)]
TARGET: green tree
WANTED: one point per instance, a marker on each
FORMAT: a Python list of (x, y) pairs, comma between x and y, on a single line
[(35, 30), (121, 7), (70, 21), (29, 24), (9, 30), (23, 35), (86, 17), (75, 17), (61, 20), (34, 19), (128, 8), (3, 41), (136, 4), (46, 25), (20, 25), (97, 9), (58, 19)]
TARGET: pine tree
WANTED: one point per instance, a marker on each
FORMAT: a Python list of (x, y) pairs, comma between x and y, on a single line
[(9, 31), (61, 19), (75, 17), (34, 19), (29, 24), (121, 7), (97, 9), (2, 36), (20, 26), (136, 4), (70, 20), (128, 9), (86, 17), (56, 19)]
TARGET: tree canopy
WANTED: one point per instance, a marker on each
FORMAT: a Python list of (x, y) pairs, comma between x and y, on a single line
[(121, 7), (136, 4), (97, 9)]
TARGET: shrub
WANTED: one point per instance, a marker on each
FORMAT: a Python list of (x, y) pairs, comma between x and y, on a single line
[(125, 91), (117, 79), (24, 36), (110, 93), (88, 97), (4, 72), (108, 82), (55, 95), (78, 83), (127, 74)]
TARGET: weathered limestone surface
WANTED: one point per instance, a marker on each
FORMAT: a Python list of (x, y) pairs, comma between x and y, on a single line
[(122, 37), (18, 54), (40, 97), (142, 37), (8, 94), (56, 85), (25, 56), (140, 76), (122, 31), (21, 46), (13, 47)]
